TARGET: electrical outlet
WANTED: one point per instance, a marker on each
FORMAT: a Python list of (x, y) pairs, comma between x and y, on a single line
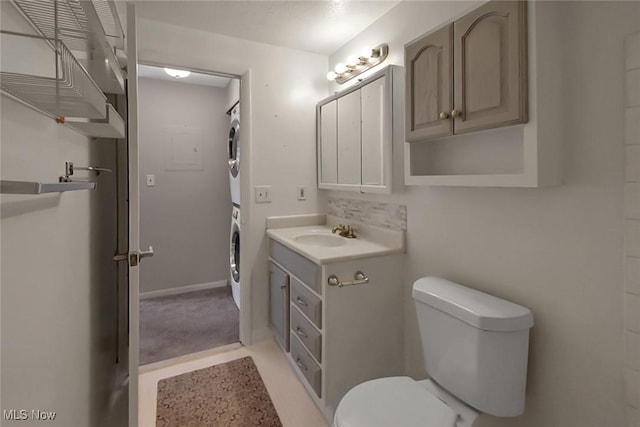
[(263, 194), (151, 180), (302, 193)]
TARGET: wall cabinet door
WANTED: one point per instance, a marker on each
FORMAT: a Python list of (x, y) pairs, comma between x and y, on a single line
[(349, 148), (490, 46), (356, 134), (328, 144), (470, 75), (429, 86), (375, 130)]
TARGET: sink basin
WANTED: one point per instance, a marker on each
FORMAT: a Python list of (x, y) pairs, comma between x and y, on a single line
[(318, 239)]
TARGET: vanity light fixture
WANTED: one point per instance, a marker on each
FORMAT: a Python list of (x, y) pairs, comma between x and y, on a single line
[(368, 59), (178, 74)]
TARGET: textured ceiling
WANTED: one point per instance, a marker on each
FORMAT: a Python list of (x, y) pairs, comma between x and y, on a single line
[(313, 26)]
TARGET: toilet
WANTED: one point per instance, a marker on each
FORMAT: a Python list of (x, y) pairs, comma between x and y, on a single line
[(475, 349)]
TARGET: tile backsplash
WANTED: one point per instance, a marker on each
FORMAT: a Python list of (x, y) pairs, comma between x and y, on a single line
[(383, 215)]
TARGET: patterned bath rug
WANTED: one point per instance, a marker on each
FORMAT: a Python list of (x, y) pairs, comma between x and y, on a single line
[(231, 394)]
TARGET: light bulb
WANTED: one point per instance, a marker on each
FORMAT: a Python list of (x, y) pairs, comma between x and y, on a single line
[(178, 74), (366, 53), (352, 61), (340, 68), (331, 75)]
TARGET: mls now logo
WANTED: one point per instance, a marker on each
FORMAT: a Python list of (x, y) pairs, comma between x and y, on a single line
[(15, 414), (23, 414), (37, 414)]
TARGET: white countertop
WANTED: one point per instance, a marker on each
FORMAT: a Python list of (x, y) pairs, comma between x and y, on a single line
[(371, 241)]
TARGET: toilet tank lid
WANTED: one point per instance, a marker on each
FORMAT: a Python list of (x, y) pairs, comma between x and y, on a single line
[(471, 306)]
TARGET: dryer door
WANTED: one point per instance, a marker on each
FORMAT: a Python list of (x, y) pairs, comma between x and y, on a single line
[(233, 148), (234, 259)]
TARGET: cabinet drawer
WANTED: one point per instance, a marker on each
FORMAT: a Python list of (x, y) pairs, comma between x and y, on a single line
[(306, 333), (299, 266), (307, 302), (306, 365)]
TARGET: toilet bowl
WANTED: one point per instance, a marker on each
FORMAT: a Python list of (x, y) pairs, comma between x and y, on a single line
[(402, 402), (475, 349)]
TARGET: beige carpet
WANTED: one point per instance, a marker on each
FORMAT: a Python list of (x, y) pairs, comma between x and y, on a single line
[(172, 326), (229, 394)]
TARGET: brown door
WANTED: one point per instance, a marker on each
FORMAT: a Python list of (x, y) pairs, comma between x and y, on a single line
[(429, 86), (490, 63)]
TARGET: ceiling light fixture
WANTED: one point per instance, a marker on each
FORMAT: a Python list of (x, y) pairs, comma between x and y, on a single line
[(178, 74), (368, 59)]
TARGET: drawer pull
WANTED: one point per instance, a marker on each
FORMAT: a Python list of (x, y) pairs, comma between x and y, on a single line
[(301, 302), (301, 365), (301, 333), (359, 279)]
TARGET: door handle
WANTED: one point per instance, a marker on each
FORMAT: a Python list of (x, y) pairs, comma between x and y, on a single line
[(147, 253), (133, 258)]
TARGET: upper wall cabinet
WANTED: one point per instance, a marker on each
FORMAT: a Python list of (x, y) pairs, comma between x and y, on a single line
[(429, 90), (470, 75), (484, 99), (357, 131)]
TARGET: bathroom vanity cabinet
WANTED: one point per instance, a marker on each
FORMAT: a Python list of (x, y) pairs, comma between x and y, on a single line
[(279, 288), (341, 336), (359, 135)]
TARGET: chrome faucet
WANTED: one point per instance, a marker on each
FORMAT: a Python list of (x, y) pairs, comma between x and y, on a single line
[(345, 231)]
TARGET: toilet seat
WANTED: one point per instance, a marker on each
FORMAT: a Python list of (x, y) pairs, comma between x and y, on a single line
[(393, 402)]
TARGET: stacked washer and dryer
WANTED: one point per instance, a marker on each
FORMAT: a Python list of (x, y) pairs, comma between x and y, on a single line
[(233, 146)]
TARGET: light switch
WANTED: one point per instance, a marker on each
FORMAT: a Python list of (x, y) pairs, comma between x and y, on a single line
[(151, 180), (263, 194)]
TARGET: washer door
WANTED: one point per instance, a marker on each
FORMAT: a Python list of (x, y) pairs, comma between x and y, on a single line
[(234, 259), (233, 148)]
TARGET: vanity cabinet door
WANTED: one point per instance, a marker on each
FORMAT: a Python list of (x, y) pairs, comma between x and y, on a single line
[(279, 304), (429, 86), (328, 144), (375, 129), (490, 63), (349, 148)]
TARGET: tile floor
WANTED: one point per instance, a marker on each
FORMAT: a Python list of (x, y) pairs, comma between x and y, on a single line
[(293, 404)]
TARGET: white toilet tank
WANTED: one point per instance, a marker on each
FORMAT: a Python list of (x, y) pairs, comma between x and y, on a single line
[(475, 345)]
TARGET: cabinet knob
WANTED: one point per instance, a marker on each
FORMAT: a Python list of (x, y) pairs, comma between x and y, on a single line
[(444, 115), (456, 113)]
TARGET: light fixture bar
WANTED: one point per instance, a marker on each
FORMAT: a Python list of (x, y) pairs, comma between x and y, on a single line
[(344, 73)]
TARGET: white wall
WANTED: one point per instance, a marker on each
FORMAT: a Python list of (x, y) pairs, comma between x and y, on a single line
[(632, 225), (558, 250), (278, 131), (186, 216), (233, 93), (58, 280)]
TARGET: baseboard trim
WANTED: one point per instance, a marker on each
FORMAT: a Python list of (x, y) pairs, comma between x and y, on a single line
[(183, 289), (161, 364)]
